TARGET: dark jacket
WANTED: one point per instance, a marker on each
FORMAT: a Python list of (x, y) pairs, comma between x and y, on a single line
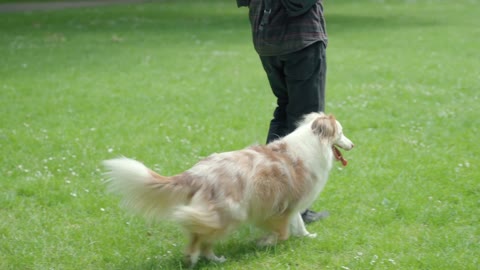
[(286, 31)]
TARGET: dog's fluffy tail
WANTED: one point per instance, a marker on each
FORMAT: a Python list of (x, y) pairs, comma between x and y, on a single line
[(143, 190)]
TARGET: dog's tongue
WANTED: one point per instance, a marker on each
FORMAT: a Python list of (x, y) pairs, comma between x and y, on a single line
[(338, 156)]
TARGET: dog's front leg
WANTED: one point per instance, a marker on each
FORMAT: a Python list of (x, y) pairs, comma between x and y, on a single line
[(207, 252), (297, 227)]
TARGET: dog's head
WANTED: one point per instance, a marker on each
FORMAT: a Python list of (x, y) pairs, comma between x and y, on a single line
[(330, 132), (328, 129)]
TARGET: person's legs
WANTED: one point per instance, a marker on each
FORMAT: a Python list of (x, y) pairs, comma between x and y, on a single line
[(305, 75), (274, 70), (298, 82)]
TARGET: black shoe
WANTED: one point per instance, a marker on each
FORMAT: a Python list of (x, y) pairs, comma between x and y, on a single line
[(310, 216)]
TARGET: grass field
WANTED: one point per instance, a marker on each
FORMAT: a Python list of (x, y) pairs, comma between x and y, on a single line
[(170, 82)]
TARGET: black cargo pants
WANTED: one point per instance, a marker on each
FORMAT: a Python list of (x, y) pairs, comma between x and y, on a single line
[(298, 82)]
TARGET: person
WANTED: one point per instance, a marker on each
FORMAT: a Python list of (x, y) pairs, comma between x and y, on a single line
[(290, 38)]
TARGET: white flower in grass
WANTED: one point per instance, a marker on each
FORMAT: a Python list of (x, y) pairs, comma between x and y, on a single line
[(359, 255), (102, 209), (110, 150), (21, 168), (73, 194)]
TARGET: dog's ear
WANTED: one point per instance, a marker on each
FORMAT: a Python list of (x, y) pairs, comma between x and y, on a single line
[(324, 126)]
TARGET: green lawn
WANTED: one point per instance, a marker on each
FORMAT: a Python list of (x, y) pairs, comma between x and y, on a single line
[(170, 82), (39, 1)]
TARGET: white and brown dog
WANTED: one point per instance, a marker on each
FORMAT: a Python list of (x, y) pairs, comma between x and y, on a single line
[(265, 185)]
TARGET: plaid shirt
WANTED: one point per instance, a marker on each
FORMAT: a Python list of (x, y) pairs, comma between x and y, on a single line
[(284, 34)]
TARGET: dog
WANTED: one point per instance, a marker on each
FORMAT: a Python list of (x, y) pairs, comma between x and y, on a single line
[(264, 185)]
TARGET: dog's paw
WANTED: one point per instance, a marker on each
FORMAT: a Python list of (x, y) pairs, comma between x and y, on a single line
[(216, 259), (311, 235), (266, 241)]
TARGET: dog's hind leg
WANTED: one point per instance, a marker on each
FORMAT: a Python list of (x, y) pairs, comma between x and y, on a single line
[(297, 227), (278, 227), (193, 250), (207, 252)]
